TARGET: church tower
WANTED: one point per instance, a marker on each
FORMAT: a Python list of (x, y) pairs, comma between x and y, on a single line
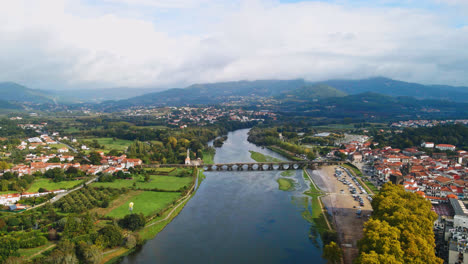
[(187, 159)]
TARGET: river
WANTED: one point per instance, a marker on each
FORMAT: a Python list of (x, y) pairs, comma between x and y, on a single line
[(237, 217)]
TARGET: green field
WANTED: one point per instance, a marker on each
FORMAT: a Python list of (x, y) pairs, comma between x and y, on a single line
[(259, 157), (208, 157), (165, 170), (169, 183), (50, 185), (145, 202), (315, 214), (288, 173), (7, 192), (285, 184), (110, 143)]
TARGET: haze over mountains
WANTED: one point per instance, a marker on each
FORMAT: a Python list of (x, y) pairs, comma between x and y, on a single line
[(215, 93)]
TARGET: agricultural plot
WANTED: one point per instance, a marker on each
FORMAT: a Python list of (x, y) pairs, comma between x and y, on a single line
[(110, 143), (85, 199), (167, 183), (147, 203), (50, 185)]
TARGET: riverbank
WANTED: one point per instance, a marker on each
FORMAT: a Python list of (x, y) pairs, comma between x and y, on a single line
[(156, 225), (260, 157), (341, 205)]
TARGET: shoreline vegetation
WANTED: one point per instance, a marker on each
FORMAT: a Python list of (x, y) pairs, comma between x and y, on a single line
[(155, 225), (285, 184), (260, 157), (320, 218)]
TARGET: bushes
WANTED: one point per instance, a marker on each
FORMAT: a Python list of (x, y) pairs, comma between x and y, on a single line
[(8, 247), (32, 242), (133, 221), (109, 236)]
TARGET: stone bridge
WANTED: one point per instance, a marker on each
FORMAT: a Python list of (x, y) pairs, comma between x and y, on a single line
[(253, 166)]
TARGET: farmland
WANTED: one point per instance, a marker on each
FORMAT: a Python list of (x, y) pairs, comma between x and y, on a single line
[(50, 185), (168, 183), (144, 202), (111, 143)]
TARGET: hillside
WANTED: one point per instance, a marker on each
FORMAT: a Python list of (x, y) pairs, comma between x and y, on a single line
[(15, 92), (214, 93), (311, 92), (369, 105), (398, 88)]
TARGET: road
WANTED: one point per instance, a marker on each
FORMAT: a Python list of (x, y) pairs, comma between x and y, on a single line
[(60, 196)]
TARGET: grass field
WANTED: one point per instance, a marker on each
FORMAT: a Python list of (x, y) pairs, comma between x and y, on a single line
[(110, 143), (208, 157), (50, 185), (165, 170), (288, 173), (315, 215), (145, 202), (169, 183), (285, 184), (28, 252), (7, 192), (259, 157)]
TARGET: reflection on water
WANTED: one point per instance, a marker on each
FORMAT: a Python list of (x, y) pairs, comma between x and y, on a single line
[(238, 217)]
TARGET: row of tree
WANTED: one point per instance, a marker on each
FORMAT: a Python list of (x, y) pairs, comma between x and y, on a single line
[(400, 230)]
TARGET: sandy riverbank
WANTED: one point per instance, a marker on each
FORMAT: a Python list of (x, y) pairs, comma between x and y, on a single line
[(341, 206)]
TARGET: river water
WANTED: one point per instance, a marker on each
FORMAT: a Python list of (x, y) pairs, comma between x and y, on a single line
[(238, 217)]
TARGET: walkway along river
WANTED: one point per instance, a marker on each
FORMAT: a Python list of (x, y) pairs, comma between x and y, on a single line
[(238, 217)]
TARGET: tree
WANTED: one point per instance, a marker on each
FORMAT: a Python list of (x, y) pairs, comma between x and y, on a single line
[(95, 158), (332, 252), (133, 221), (64, 254), (109, 236), (8, 247), (89, 254), (401, 229), (4, 165)]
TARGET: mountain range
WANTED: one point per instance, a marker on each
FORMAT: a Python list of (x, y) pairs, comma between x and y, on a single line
[(287, 92)]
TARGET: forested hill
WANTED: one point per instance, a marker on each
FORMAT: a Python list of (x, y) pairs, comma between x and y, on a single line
[(11, 91), (370, 105), (214, 93), (443, 134), (398, 88)]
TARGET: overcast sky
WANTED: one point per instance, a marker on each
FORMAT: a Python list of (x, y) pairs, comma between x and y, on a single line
[(64, 44)]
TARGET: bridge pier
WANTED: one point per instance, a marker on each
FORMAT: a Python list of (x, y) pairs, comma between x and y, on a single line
[(249, 167), (260, 167), (281, 167), (240, 167), (229, 167), (270, 167), (209, 167)]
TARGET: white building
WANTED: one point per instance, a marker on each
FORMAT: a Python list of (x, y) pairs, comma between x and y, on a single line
[(445, 147), (427, 145)]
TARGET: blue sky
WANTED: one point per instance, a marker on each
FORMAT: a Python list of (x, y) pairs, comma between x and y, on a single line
[(66, 44)]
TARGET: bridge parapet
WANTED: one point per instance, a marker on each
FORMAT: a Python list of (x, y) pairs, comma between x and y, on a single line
[(259, 166)]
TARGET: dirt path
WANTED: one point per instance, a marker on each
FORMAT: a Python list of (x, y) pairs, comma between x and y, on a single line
[(342, 206), (42, 251)]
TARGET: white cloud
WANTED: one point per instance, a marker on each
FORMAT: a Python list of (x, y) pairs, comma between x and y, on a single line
[(46, 44)]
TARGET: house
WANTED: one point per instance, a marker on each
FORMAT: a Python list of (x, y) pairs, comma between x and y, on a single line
[(427, 144), (8, 199), (357, 157), (63, 150), (445, 147)]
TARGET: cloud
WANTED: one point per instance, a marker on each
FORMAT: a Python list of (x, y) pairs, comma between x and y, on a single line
[(60, 44)]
